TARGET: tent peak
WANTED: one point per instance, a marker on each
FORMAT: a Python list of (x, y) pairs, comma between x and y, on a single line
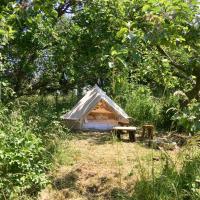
[(99, 90)]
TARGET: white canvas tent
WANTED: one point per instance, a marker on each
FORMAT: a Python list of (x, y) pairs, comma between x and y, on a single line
[(95, 111)]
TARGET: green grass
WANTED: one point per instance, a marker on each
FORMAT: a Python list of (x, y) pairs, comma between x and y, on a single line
[(65, 154), (176, 180)]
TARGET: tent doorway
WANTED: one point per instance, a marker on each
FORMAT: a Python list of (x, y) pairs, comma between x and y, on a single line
[(102, 117)]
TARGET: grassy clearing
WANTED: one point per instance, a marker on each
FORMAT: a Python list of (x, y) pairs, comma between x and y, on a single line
[(96, 166)]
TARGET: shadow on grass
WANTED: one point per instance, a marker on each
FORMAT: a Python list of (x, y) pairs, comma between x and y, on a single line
[(98, 138), (101, 138), (117, 193), (67, 181)]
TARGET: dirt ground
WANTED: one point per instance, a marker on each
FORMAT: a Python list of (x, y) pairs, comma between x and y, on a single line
[(97, 166)]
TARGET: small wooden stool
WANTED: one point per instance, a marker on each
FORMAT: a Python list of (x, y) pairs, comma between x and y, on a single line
[(147, 131)]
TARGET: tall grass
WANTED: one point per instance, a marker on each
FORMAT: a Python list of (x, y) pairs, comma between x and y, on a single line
[(176, 181), (142, 106)]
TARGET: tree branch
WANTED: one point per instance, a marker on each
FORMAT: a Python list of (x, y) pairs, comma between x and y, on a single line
[(65, 7), (172, 62)]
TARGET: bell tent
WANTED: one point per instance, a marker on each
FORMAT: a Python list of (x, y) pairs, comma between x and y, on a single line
[(95, 111)]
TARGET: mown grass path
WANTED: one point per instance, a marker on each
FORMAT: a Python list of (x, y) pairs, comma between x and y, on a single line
[(96, 166)]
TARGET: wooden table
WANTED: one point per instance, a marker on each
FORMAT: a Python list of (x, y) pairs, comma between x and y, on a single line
[(130, 129)]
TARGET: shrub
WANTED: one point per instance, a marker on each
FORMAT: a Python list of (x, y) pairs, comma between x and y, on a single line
[(42, 115), (30, 134), (188, 117), (169, 107), (23, 160)]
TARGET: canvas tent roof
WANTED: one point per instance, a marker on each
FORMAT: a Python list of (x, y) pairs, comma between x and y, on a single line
[(89, 101)]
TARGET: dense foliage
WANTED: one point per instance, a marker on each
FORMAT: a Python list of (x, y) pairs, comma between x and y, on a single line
[(146, 108), (22, 160), (154, 43), (188, 118), (29, 134)]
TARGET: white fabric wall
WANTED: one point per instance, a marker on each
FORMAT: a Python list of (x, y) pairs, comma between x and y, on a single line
[(98, 125)]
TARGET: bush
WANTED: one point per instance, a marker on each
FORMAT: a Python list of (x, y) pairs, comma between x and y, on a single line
[(42, 115), (169, 107), (188, 117), (23, 160), (30, 133)]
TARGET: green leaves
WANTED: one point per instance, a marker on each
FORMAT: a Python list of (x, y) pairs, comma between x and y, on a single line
[(146, 7), (22, 161), (188, 118), (122, 32)]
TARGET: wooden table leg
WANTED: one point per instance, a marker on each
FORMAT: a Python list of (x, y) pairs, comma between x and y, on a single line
[(118, 134), (143, 132), (132, 136)]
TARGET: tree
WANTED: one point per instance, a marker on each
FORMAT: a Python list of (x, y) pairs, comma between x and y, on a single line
[(169, 30), (28, 38), (62, 44)]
